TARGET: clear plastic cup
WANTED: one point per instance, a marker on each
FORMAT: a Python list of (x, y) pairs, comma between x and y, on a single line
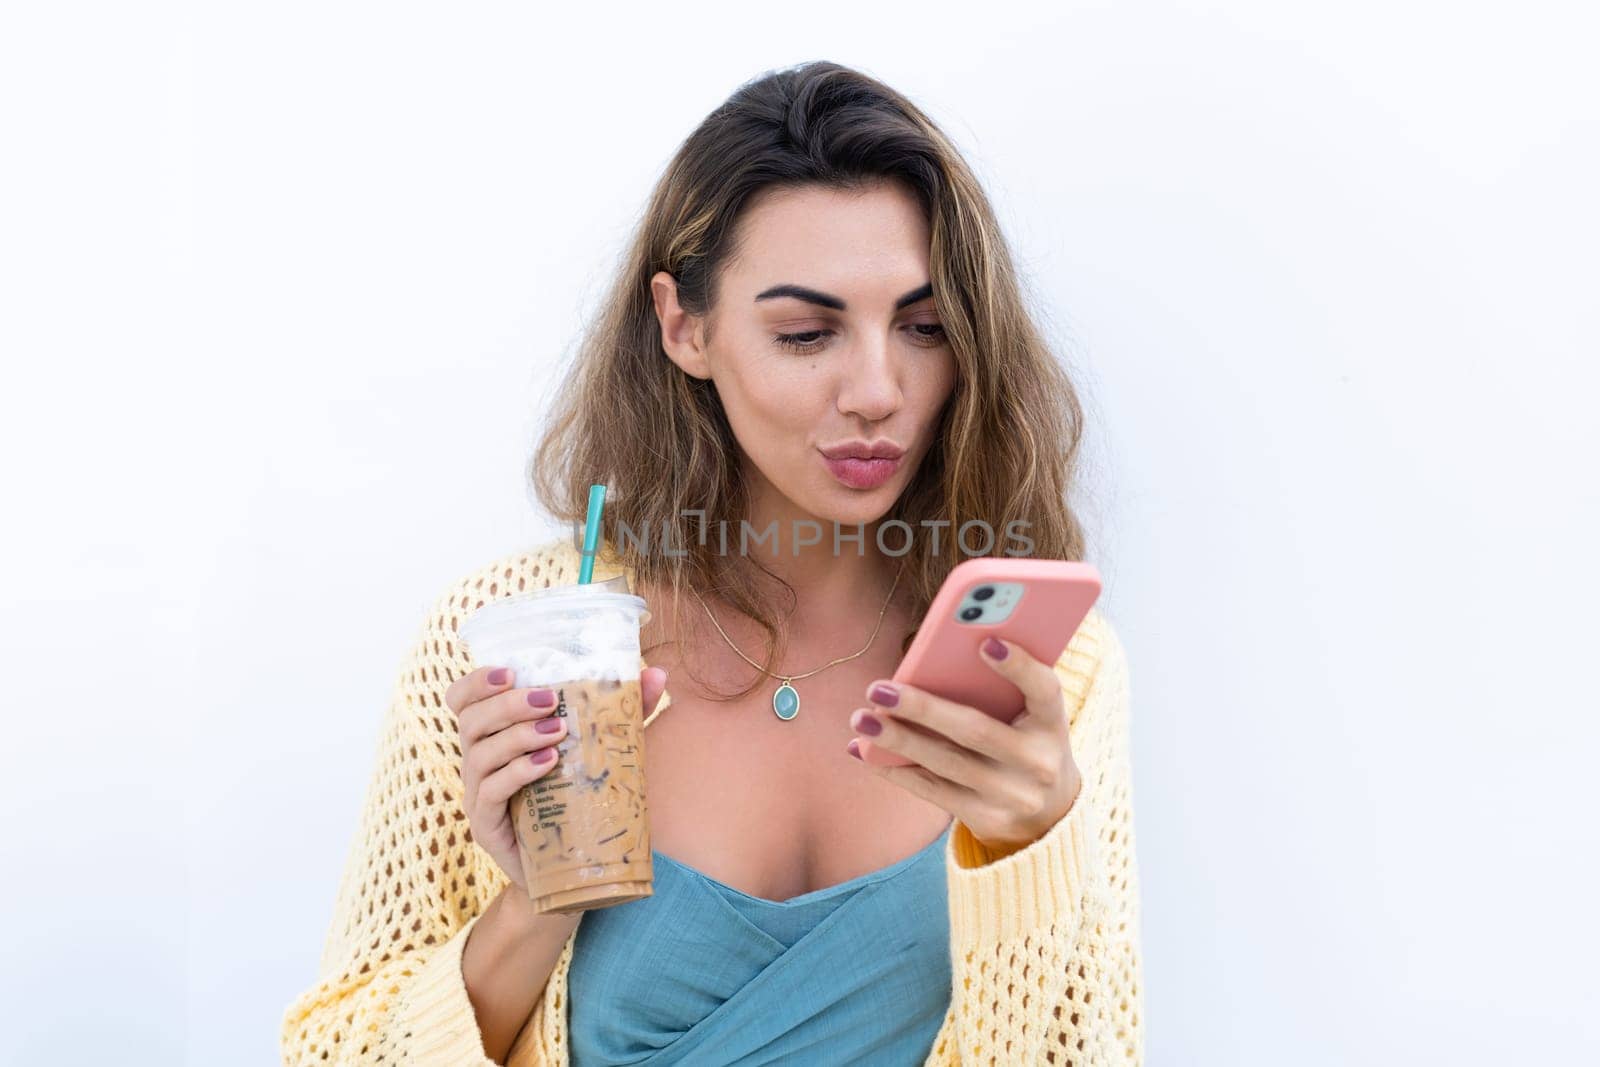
[(582, 827)]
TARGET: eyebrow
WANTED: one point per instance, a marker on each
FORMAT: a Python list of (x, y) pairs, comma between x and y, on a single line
[(812, 296)]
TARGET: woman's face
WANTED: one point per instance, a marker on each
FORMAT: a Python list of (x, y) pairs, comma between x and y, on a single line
[(824, 336)]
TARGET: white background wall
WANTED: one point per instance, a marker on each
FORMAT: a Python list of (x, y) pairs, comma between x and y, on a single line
[(282, 287)]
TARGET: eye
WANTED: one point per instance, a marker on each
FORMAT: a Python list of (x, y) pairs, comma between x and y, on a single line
[(806, 341), (927, 334)]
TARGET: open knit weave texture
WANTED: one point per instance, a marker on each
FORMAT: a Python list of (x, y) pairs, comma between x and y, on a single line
[(1044, 941)]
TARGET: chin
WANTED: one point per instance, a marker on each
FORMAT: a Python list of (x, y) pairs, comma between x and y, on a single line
[(851, 507)]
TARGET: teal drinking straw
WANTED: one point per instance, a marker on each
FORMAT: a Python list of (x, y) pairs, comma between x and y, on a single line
[(591, 532)]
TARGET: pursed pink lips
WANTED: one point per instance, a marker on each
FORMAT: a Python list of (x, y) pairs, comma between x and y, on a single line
[(860, 465)]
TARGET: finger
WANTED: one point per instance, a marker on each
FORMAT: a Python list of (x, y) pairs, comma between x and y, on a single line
[(1041, 688), (496, 712), (943, 757), (895, 703), (476, 685), (652, 683), (498, 789), (964, 803), (498, 749)]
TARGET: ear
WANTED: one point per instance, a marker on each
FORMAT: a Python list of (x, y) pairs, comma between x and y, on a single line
[(682, 334)]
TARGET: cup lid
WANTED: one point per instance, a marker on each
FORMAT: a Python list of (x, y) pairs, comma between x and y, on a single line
[(613, 592)]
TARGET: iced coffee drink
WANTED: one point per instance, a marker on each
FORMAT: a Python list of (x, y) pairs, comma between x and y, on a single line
[(582, 827)]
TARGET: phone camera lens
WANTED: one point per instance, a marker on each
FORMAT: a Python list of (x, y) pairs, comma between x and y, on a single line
[(983, 592), (968, 614)]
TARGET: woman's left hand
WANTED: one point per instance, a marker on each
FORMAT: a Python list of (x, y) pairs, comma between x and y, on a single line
[(1008, 783)]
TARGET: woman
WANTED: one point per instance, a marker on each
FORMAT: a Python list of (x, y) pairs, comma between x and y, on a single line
[(818, 276)]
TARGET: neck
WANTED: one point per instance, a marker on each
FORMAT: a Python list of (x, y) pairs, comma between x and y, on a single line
[(838, 595)]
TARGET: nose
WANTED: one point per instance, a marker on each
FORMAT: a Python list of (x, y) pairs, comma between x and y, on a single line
[(870, 387)]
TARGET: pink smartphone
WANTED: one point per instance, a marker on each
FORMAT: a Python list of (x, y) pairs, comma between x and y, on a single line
[(1035, 603)]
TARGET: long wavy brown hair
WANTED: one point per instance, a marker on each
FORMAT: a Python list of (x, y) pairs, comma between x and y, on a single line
[(626, 416)]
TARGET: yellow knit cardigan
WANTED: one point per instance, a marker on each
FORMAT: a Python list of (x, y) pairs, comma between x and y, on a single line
[(1044, 942)]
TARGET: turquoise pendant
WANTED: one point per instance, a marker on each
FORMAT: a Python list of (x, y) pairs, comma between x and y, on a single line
[(786, 702)]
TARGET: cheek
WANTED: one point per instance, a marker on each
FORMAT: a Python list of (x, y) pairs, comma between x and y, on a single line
[(777, 393), (773, 407), (929, 383)]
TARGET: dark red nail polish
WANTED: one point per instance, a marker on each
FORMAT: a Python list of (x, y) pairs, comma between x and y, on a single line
[(869, 725), (995, 649), (885, 696), (853, 749)]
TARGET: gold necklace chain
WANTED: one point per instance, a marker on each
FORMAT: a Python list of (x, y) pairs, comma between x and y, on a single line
[(786, 700)]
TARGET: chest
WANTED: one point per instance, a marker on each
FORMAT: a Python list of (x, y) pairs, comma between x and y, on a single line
[(776, 808)]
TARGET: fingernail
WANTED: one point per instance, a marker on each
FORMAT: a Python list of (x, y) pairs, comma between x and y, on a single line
[(868, 725), (884, 695), (994, 648), (544, 755), (541, 698), (853, 749), (498, 676), (548, 726)]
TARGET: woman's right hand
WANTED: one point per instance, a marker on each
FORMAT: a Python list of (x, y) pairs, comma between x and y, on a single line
[(503, 750)]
